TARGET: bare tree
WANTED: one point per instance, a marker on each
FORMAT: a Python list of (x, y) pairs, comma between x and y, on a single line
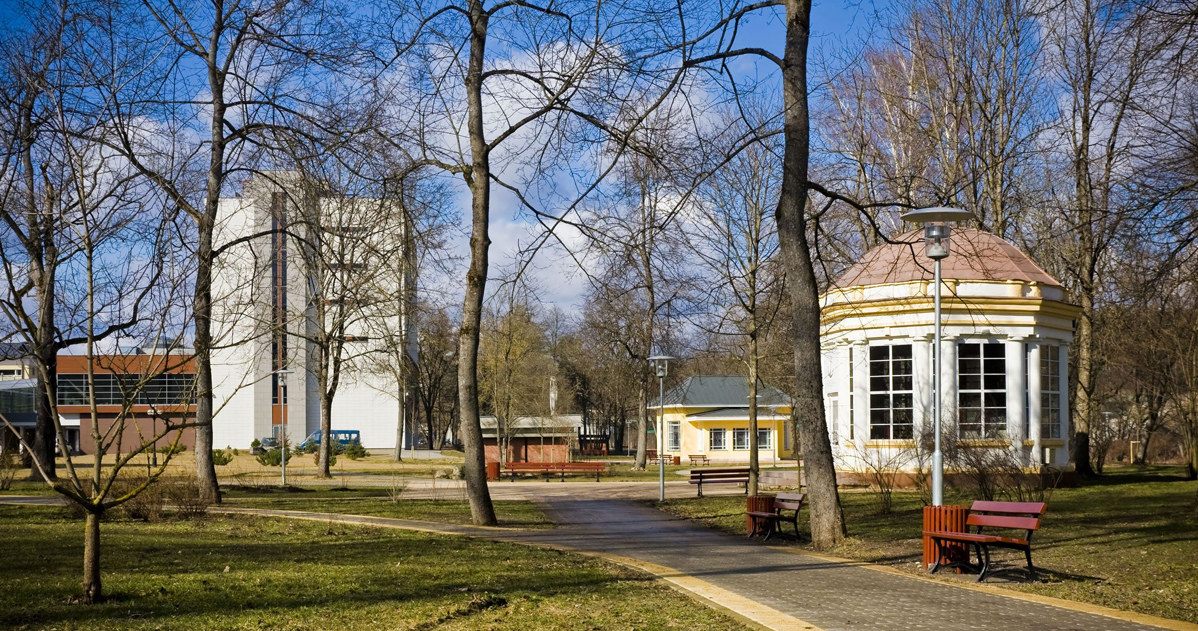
[(113, 271), (223, 84), (734, 235)]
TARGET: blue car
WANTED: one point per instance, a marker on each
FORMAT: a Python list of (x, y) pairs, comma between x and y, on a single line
[(344, 437)]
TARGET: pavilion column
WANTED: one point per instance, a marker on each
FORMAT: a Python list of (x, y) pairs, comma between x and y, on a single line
[(1016, 393), (1062, 457), (948, 382), (1035, 413), (859, 417), (921, 357)]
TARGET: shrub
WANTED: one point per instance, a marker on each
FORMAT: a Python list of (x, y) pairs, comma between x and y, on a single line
[(145, 506), (8, 469), (183, 492), (353, 451), (172, 450), (221, 457), (272, 457)]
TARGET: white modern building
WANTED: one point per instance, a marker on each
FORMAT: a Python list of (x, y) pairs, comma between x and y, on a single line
[(1007, 326), (303, 275)]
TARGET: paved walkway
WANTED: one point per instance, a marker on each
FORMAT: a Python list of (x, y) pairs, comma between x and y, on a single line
[(773, 587)]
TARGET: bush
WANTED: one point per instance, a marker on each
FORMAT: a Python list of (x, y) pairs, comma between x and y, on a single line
[(183, 492), (221, 457), (145, 506), (172, 450), (8, 469), (306, 447), (353, 451), (273, 458)]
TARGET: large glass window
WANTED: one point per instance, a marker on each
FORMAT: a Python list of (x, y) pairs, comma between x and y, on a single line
[(765, 439), (719, 438), (740, 438), (673, 436), (981, 390), (1050, 391), (890, 392), (164, 389)]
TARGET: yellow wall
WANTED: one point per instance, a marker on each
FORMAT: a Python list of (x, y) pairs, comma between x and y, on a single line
[(696, 436)]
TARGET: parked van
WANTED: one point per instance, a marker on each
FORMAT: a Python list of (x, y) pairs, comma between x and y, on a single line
[(344, 437)]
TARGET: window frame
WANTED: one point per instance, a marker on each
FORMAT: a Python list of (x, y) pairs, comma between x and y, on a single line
[(899, 388), (982, 389), (722, 433)]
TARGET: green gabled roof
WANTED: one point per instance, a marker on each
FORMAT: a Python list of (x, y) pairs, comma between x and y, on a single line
[(721, 391)]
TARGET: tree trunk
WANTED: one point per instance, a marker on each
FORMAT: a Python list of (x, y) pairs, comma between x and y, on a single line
[(642, 430), (92, 592), (1083, 408), (326, 435), (209, 489), (827, 518), (754, 465), (474, 470)]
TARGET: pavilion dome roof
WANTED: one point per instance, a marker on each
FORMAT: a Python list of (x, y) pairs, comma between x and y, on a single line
[(975, 255)]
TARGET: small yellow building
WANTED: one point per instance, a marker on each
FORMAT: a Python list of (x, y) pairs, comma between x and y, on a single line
[(709, 416)]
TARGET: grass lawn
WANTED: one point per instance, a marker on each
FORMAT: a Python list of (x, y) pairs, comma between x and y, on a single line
[(1127, 541), (377, 502), (236, 572)]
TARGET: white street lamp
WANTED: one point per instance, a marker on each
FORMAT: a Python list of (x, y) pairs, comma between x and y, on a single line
[(283, 400), (661, 364), (936, 246)]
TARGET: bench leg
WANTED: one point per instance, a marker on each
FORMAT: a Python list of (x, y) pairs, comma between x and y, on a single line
[(1031, 570), (700, 485), (939, 555), (983, 548)]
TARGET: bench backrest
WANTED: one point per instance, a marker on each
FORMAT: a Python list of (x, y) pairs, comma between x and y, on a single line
[(789, 501), (582, 466), (1017, 515), (719, 474), (527, 466)]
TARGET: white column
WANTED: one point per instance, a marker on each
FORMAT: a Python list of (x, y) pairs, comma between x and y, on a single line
[(921, 373), (1062, 458), (860, 414), (948, 382), (1034, 413), (1016, 391)]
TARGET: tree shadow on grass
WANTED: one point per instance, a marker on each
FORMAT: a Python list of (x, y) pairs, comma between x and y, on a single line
[(155, 572)]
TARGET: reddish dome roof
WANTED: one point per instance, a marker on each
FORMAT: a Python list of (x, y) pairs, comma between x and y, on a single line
[(975, 255)]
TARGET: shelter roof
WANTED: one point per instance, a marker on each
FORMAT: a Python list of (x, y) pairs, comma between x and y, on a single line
[(975, 255)]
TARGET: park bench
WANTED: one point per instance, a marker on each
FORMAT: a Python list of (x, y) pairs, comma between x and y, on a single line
[(767, 523), (730, 475), (699, 459), (549, 469), (982, 514)]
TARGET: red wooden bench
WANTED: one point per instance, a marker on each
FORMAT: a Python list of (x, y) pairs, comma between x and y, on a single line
[(555, 468), (1007, 515), (730, 475), (767, 523)]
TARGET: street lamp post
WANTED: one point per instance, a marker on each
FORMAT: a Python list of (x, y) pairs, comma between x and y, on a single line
[(661, 364), (283, 400), (936, 247)]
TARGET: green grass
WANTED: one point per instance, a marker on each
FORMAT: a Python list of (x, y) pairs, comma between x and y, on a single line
[(237, 572), (376, 502), (1127, 541)]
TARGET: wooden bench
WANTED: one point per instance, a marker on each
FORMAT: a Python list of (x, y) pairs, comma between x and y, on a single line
[(699, 459), (768, 523), (1008, 515), (549, 469), (730, 475)]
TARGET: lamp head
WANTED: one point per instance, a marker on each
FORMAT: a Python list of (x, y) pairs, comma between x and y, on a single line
[(661, 364), (936, 231)]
